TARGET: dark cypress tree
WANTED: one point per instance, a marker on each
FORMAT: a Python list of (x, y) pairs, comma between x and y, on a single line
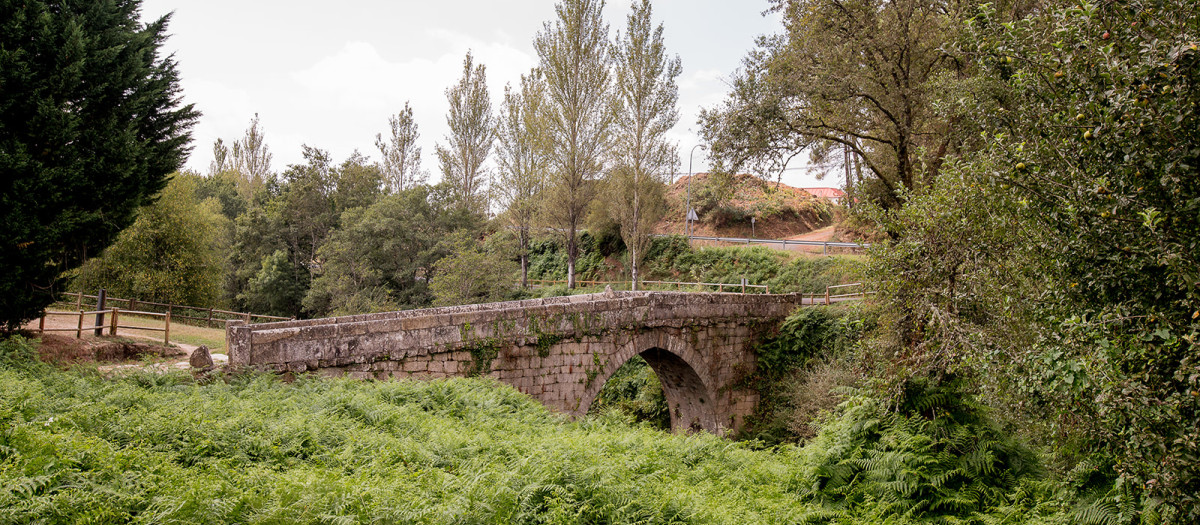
[(91, 125)]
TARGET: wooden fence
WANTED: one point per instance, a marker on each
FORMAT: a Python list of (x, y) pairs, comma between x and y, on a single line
[(112, 325), (206, 315)]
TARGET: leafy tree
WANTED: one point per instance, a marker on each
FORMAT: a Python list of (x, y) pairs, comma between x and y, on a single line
[(223, 186), (470, 274), (250, 158), (1059, 260), (383, 255), (856, 74), (304, 207), (356, 183), (257, 236), (91, 124), (471, 136), (170, 254), (523, 158), (401, 154), (296, 214), (277, 288), (575, 58), (647, 98), (221, 161), (1101, 136)]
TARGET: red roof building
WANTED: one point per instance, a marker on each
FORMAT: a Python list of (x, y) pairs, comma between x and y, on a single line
[(833, 194)]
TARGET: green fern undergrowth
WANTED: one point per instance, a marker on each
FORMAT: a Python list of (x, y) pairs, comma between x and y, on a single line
[(76, 447)]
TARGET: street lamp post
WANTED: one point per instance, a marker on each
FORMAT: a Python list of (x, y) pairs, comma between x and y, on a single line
[(688, 212)]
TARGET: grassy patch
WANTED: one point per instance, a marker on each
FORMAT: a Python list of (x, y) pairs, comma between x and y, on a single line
[(213, 338)]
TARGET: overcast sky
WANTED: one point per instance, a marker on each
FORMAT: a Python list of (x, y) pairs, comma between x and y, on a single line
[(329, 74)]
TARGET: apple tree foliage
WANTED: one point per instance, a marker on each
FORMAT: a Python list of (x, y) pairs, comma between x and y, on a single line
[(1062, 258)]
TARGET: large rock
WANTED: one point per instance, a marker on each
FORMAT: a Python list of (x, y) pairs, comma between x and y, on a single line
[(201, 358)]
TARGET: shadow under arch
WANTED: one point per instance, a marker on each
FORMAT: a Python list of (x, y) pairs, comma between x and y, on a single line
[(689, 395)]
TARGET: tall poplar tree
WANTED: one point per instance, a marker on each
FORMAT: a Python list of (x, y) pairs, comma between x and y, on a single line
[(575, 57), (91, 123), (251, 159), (647, 97), (523, 159), (401, 154), (471, 136)]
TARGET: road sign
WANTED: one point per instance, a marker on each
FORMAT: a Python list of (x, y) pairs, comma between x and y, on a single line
[(691, 216)]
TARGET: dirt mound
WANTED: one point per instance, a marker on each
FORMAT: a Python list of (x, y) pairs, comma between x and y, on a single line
[(726, 204), (62, 349)]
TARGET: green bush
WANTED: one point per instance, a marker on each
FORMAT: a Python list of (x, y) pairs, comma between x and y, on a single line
[(548, 258), (170, 254), (809, 351), (934, 457), (809, 333), (670, 258), (635, 392)]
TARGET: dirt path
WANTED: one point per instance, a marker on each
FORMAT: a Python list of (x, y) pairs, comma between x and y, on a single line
[(822, 235), (69, 322)]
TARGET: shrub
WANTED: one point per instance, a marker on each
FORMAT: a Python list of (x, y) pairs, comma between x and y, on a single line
[(935, 454), (799, 367), (635, 392)]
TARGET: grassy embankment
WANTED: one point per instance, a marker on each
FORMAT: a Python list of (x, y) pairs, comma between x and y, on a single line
[(672, 259)]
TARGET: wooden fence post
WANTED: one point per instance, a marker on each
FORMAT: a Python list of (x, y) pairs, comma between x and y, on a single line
[(113, 331), (79, 327), (79, 301), (826, 296), (42, 323), (100, 299), (209, 323), (167, 328), (133, 304)]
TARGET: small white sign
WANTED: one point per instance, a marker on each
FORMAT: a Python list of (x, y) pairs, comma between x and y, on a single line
[(692, 215)]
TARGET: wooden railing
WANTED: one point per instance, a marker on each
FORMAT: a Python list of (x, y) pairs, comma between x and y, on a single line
[(112, 325), (206, 315), (830, 297)]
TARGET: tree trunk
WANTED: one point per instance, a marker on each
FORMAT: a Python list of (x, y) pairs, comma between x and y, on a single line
[(571, 247), (634, 267), (633, 254), (524, 259)]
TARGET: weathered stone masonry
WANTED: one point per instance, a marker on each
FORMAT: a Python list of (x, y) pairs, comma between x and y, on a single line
[(559, 350)]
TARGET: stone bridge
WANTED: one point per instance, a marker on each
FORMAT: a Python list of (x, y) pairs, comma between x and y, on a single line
[(560, 350)]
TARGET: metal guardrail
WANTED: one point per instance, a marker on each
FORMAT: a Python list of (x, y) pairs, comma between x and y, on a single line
[(535, 283), (782, 242), (828, 297)]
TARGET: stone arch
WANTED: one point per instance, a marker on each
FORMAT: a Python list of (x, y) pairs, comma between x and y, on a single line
[(689, 391)]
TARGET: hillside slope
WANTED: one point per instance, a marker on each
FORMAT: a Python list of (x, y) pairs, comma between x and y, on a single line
[(725, 205)]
